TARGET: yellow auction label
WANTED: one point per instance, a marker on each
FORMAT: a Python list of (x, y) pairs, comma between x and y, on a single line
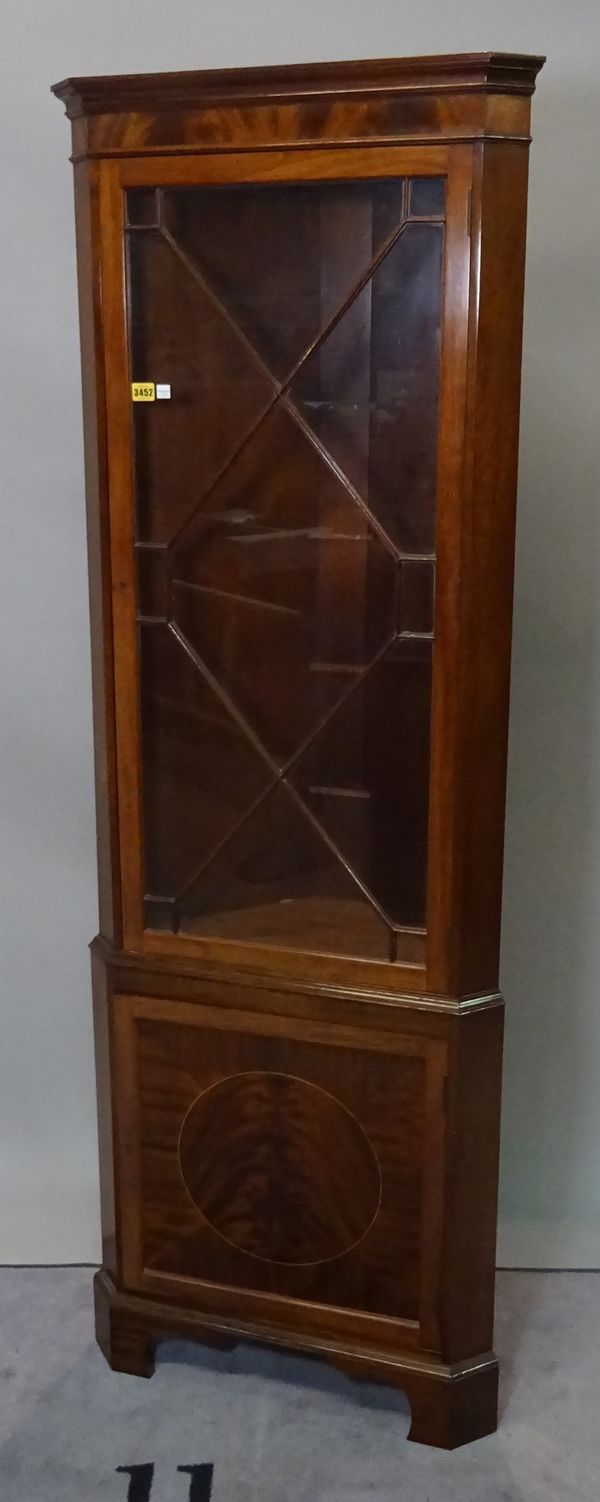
[(142, 391)]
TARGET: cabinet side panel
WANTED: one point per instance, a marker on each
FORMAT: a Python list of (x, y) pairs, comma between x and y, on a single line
[(499, 217), (102, 1052), (469, 1255), (92, 369)]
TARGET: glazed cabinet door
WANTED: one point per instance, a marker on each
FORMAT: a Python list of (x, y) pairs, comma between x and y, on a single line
[(277, 393)]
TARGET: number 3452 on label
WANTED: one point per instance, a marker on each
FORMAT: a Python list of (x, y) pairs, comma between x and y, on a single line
[(143, 391)]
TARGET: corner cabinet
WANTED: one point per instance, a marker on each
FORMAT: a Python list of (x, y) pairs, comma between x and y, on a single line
[(301, 304)]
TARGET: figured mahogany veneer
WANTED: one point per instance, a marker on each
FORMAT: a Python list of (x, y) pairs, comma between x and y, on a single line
[(301, 588), (300, 1198)]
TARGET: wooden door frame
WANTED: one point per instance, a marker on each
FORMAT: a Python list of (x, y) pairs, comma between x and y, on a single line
[(296, 164)]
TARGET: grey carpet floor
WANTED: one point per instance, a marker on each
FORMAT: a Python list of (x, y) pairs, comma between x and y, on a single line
[(279, 1428)]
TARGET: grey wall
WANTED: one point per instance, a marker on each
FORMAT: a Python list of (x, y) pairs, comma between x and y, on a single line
[(550, 1210)]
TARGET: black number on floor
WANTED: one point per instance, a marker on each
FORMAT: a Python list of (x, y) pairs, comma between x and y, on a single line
[(140, 1482), (142, 1476), (201, 1481)]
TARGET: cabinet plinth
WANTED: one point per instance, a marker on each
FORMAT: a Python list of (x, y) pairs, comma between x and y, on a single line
[(301, 305)]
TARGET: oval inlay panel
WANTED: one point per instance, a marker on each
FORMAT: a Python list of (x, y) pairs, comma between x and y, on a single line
[(279, 1167)]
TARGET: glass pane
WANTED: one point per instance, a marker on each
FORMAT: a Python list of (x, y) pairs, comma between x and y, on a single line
[(417, 586), (218, 391), (370, 391), (317, 242), (285, 524), (142, 207), (200, 773), (153, 576), (278, 882), (427, 198), (282, 586), (366, 780)]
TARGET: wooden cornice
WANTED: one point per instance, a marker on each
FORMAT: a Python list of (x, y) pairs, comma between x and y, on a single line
[(482, 72)]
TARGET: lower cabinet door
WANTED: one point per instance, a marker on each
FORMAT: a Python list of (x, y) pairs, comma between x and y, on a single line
[(280, 1170)]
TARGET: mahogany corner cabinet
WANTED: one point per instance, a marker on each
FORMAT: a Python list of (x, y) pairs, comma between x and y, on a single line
[(301, 308)]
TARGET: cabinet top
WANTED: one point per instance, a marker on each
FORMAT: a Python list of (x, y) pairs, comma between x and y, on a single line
[(477, 72)]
